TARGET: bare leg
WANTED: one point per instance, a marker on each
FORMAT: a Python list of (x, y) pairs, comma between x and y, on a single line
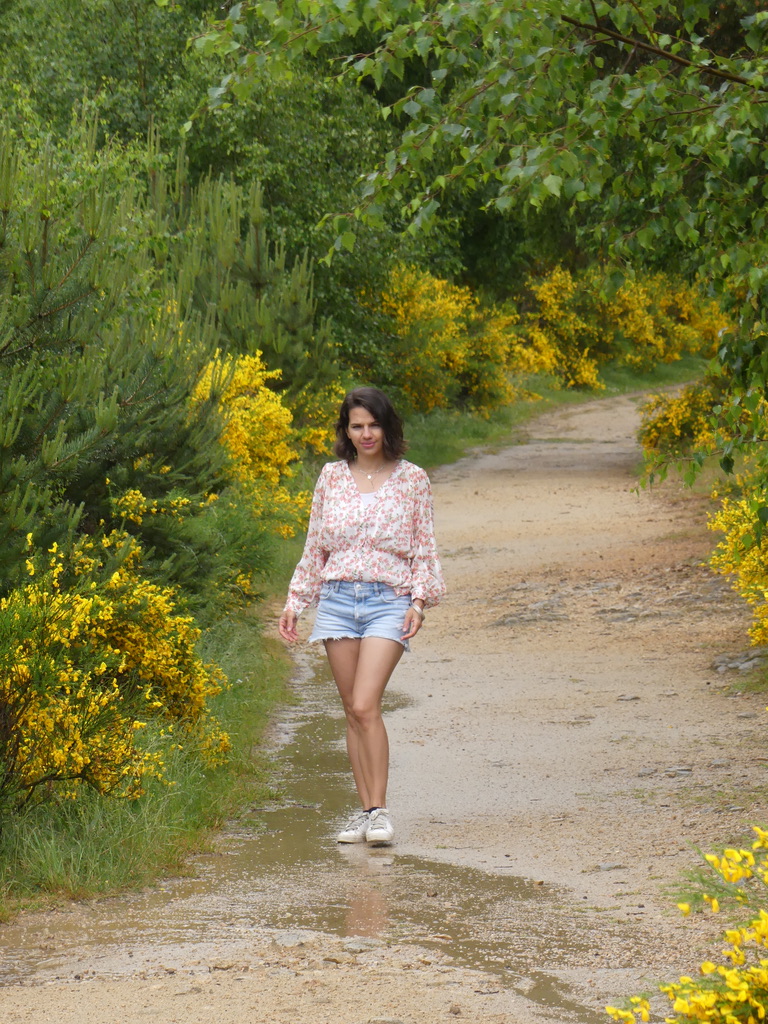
[(362, 669)]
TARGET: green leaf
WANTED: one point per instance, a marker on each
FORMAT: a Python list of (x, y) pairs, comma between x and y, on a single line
[(573, 187)]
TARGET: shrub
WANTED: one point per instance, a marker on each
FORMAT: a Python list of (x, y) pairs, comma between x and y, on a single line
[(258, 438), (90, 650), (735, 992), (443, 348), (676, 424), (743, 556), (656, 319), (563, 330), (574, 327)]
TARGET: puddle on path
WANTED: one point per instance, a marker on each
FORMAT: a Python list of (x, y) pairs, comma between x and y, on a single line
[(289, 878)]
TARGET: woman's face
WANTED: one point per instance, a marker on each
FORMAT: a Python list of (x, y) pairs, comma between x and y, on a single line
[(365, 433)]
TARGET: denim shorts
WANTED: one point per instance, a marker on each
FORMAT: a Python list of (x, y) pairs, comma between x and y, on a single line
[(359, 610)]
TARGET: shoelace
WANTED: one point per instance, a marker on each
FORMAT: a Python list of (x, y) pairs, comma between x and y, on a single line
[(356, 822), (381, 821)]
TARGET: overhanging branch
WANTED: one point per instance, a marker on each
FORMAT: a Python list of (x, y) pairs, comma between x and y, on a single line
[(650, 48)]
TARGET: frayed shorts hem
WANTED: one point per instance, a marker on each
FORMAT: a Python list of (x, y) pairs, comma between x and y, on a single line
[(354, 636)]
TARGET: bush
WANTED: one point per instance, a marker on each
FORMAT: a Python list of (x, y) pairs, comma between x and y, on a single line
[(257, 436), (676, 424), (735, 992), (574, 328), (89, 651), (742, 555), (442, 348)]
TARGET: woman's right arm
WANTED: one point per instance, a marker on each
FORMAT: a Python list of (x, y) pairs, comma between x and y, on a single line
[(307, 578)]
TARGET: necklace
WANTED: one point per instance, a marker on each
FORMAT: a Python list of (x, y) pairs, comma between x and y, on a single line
[(370, 476)]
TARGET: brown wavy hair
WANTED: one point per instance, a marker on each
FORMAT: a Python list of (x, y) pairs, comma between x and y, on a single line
[(382, 410)]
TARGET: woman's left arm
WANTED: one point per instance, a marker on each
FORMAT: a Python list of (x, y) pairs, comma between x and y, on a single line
[(427, 583)]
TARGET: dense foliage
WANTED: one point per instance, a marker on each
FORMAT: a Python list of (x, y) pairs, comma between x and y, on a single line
[(118, 438), (643, 125)]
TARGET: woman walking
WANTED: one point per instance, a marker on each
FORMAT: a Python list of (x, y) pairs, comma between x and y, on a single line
[(371, 560)]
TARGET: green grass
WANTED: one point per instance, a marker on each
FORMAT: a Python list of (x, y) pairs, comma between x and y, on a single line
[(73, 849), (625, 380)]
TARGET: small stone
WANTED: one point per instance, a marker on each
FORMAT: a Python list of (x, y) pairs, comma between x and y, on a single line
[(290, 938), (455, 1009), (361, 945), (611, 867), (646, 773), (719, 764), (747, 714), (625, 696)]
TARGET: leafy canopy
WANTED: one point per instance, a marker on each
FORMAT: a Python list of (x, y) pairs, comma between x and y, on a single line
[(654, 113)]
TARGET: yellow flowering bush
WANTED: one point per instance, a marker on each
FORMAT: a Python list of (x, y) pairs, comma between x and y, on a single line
[(446, 348), (258, 438), (735, 991), (655, 319), (427, 316), (740, 556), (89, 652), (574, 328), (677, 423), (560, 333), (485, 376)]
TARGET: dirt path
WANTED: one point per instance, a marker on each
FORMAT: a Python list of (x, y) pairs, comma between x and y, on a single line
[(560, 741)]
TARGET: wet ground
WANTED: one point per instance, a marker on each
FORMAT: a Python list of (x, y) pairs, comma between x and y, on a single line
[(283, 875)]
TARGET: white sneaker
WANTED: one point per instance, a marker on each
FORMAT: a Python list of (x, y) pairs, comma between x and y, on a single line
[(355, 831), (380, 829)]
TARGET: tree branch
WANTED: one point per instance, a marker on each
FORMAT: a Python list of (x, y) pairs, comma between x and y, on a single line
[(650, 48)]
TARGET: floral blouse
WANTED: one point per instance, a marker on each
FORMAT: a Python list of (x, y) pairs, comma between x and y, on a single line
[(390, 540)]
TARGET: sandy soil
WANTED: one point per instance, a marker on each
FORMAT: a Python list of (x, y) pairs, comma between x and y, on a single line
[(565, 725)]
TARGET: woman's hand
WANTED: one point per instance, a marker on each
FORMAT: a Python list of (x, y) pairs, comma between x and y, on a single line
[(287, 626), (414, 620)]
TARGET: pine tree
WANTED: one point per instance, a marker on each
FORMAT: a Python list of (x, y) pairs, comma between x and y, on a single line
[(94, 380), (118, 286), (230, 273)]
